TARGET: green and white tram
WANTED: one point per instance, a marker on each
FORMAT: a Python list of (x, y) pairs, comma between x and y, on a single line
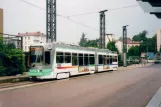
[(52, 60)]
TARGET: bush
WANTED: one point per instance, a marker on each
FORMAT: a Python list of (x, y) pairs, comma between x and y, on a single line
[(120, 63), (12, 61), (10, 71)]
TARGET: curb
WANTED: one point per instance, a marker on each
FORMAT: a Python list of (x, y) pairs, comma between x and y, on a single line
[(14, 79)]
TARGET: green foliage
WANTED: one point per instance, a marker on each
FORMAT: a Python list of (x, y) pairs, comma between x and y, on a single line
[(141, 36), (83, 41), (111, 46), (88, 43), (11, 60), (134, 51)]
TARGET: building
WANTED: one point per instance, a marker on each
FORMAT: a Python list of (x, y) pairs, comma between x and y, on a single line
[(1, 20), (109, 38), (130, 43), (13, 40), (30, 38), (158, 40)]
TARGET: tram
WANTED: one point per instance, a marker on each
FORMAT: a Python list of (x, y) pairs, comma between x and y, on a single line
[(53, 60)]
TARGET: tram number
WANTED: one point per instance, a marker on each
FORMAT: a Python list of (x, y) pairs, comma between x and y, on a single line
[(83, 69)]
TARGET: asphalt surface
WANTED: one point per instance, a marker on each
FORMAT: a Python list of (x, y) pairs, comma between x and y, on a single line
[(131, 88)]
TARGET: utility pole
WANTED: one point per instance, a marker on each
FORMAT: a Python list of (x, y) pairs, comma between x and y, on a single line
[(51, 20), (102, 28), (125, 46)]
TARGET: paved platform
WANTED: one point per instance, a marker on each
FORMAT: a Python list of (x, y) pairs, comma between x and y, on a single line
[(25, 77), (156, 100)]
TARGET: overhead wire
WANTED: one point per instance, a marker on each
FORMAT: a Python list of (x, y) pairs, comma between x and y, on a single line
[(74, 15), (66, 17)]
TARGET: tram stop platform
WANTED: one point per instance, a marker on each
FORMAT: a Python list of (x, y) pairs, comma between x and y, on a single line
[(156, 100)]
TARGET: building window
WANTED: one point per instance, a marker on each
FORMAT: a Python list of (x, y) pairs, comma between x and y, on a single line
[(28, 38)]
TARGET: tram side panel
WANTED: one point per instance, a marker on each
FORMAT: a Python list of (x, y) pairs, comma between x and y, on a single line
[(74, 62)]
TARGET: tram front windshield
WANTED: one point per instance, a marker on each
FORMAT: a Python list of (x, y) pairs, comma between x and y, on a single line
[(36, 56)]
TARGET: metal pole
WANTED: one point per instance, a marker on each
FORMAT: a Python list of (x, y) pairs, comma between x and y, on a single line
[(125, 46), (147, 53), (100, 30), (51, 20), (104, 30)]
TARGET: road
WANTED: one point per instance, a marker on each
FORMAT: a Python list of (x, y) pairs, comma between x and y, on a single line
[(131, 88)]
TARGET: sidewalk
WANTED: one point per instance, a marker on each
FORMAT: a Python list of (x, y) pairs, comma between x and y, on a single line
[(134, 66)]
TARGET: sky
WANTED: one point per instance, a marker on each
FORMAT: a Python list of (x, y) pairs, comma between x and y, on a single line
[(20, 17)]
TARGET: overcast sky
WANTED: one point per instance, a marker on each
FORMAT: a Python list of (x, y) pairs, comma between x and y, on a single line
[(21, 17)]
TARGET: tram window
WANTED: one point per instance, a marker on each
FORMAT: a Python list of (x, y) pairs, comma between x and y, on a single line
[(91, 59), (86, 59), (108, 59), (59, 57), (115, 59), (47, 57), (81, 60), (74, 59), (67, 58), (104, 60), (100, 59), (111, 60)]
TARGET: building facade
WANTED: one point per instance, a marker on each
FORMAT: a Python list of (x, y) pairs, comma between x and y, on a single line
[(158, 40), (130, 43), (1, 20), (13, 40), (31, 38)]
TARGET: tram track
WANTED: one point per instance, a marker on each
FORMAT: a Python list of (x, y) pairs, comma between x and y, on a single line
[(9, 85)]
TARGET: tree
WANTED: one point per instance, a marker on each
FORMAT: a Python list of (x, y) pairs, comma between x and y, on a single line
[(111, 46), (11, 46), (91, 43), (134, 51), (11, 60), (141, 36), (88, 43), (83, 40)]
